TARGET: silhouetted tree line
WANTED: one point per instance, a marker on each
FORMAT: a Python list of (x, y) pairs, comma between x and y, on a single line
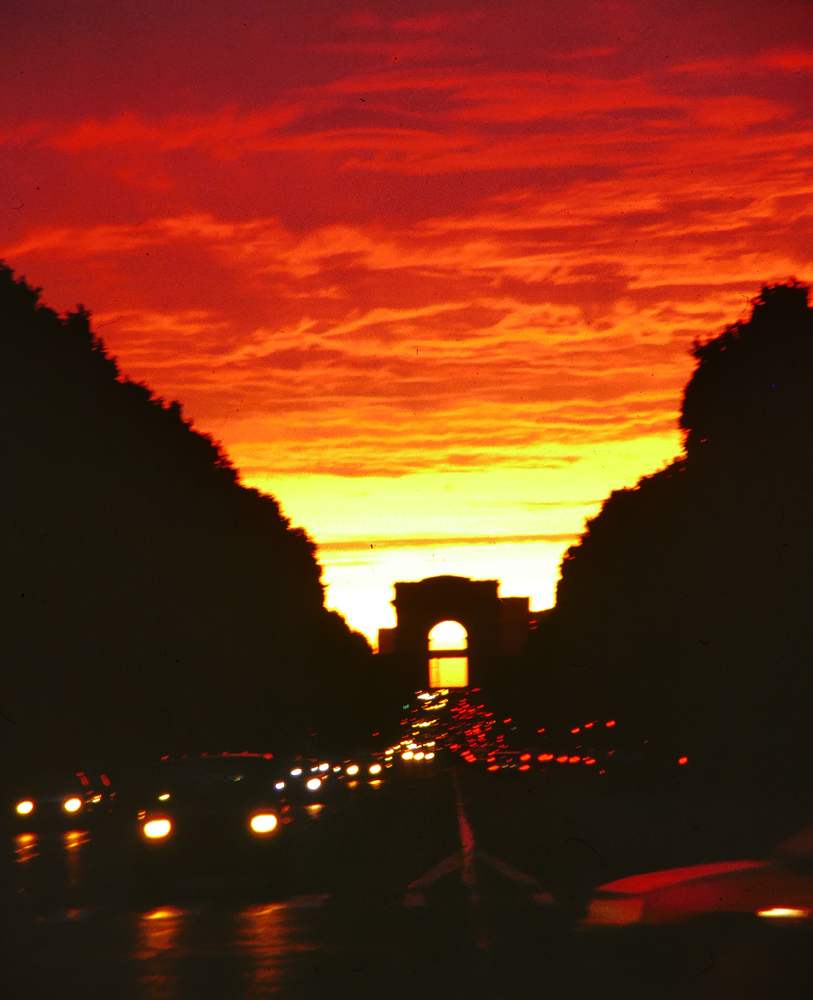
[(151, 603), (687, 607)]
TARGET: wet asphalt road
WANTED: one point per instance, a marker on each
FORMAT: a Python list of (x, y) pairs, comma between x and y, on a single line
[(82, 918)]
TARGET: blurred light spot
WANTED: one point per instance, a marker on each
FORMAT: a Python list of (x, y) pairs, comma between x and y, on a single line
[(783, 911), (573, 760), (494, 767), (575, 730), (157, 828), (279, 786), (376, 768), (428, 756), (683, 760), (562, 760), (72, 805), (25, 807), (164, 797), (353, 769), (313, 784), (296, 771), (407, 755), (263, 822), (524, 767), (165, 913), (610, 723)]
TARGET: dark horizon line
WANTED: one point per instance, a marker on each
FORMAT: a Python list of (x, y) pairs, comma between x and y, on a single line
[(396, 542)]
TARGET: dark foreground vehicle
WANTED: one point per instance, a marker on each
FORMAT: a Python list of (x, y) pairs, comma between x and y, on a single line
[(59, 801), (777, 890), (216, 817)]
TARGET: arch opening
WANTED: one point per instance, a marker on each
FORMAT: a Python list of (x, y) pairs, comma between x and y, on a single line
[(448, 635), (445, 670)]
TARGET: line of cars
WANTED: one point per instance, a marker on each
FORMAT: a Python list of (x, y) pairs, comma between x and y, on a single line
[(194, 806), (245, 809), (60, 801), (242, 796)]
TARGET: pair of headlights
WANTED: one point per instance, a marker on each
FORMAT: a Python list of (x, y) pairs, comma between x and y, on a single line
[(353, 769), (70, 805), (157, 829)]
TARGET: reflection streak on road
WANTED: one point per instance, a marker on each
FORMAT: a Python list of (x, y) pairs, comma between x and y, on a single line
[(25, 847), (72, 842), (158, 932), (264, 932)]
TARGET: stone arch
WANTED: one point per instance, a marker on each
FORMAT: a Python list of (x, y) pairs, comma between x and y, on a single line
[(423, 605)]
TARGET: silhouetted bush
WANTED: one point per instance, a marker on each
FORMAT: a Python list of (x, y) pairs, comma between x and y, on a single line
[(687, 607), (150, 601)]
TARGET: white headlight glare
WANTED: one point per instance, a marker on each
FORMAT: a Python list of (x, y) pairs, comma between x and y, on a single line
[(157, 828), (296, 771), (314, 783), (72, 805), (279, 785), (353, 769), (25, 807)]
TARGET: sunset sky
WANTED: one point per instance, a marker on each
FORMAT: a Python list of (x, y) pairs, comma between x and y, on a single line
[(430, 272)]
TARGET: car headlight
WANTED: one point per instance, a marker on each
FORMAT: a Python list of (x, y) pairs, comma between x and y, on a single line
[(313, 784), (784, 913), (25, 807), (374, 768), (155, 829), (353, 769), (72, 805), (263, 822)]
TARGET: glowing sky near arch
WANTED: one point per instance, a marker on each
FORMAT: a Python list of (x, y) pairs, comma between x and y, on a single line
[(429, 271)]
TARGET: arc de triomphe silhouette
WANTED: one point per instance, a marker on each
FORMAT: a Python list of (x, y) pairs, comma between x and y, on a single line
[(495, 626)]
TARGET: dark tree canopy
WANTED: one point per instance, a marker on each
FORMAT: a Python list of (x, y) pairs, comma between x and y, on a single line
[(150, 602), (687, 607)]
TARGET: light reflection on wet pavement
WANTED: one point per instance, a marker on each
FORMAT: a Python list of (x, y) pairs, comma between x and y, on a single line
[(79, 926)]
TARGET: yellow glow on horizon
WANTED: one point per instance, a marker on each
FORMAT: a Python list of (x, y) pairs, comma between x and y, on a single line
[(509, 524)]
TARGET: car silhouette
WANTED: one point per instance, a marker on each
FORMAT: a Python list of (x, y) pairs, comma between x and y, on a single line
[(777, 890), (59, 801)]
